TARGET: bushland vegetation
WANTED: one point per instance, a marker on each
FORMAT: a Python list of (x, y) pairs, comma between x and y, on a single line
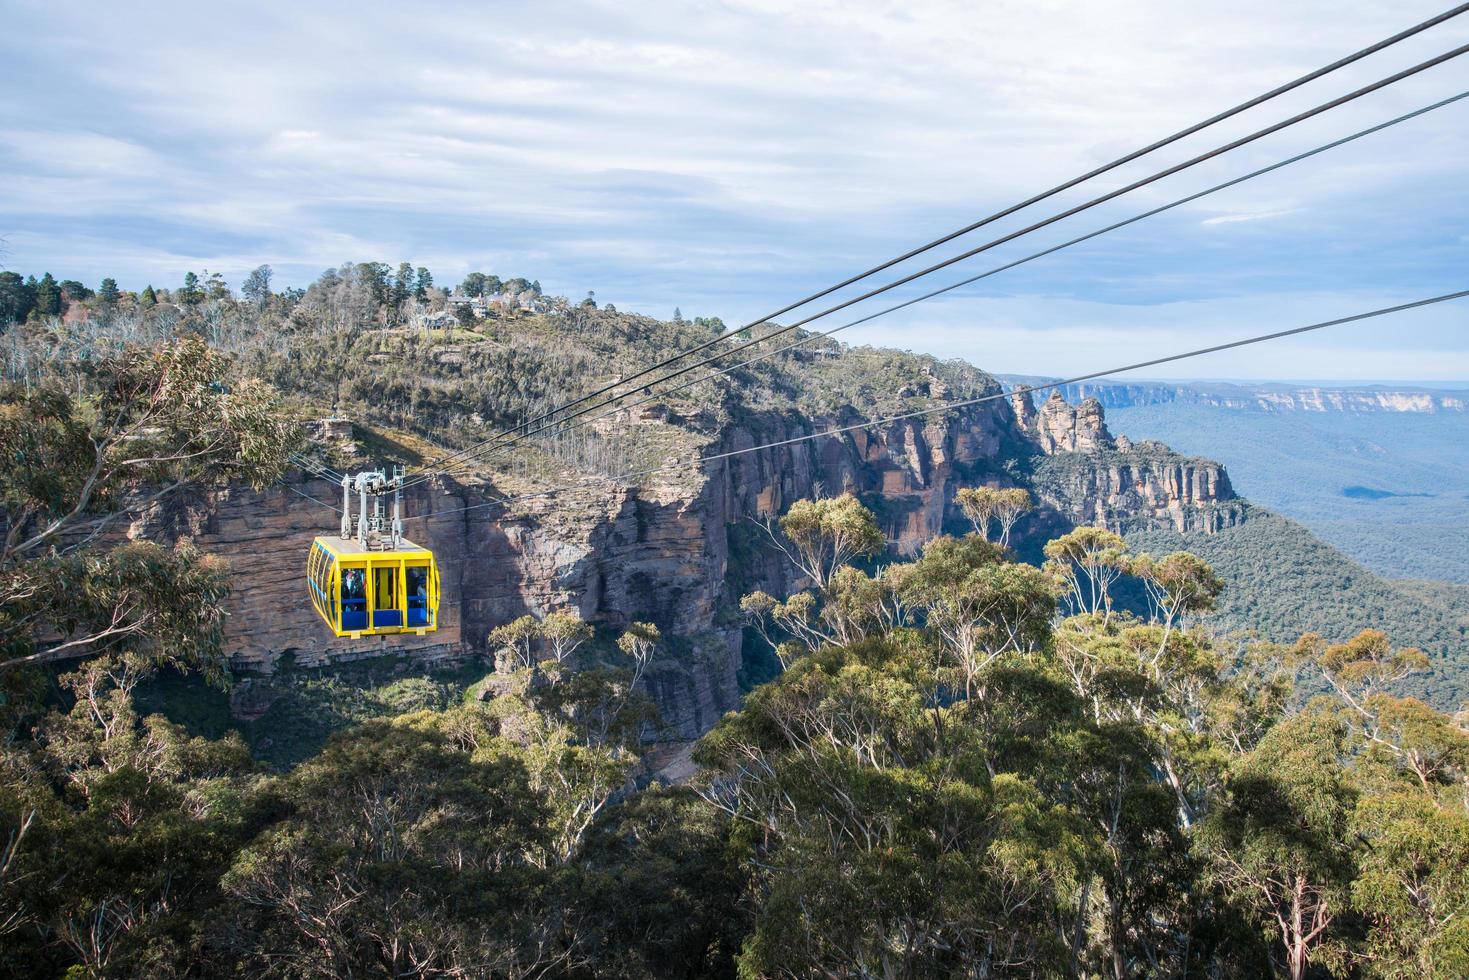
[(1284, 581), (967, 765), (354, 343)]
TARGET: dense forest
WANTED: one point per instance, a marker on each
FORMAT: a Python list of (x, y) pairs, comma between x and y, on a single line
[(1284, 581), (966, 765)]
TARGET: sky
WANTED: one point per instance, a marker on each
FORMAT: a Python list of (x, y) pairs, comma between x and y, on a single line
[(725, 158)]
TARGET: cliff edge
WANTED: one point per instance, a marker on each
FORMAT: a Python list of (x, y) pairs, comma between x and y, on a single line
[(678, 551)]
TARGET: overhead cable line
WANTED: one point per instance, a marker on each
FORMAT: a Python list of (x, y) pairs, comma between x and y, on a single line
[(966, 403), (314, 467), (1011, 236), (1059, 188), (314, 500), (809, 338)]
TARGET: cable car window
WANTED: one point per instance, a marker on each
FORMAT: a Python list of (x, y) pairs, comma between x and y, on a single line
[(385, 610), (354, 599), (363, 592), (416, 579)]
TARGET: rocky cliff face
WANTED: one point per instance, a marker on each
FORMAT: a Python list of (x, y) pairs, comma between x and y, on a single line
[(1090, 477), (1142, 487), (914, 466), (1059, 428), (661, 552), (612, 555)]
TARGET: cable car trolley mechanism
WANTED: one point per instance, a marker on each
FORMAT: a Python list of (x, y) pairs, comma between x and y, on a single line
[(370, 580)]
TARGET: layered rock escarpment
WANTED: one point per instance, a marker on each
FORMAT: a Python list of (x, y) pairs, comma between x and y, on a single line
[(662, 552), (1263, 397), (907, 470), (1093, 478), (613, 555)]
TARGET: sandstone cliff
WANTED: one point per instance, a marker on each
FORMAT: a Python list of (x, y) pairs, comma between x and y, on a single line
[(662, 551), (1089, 477), (1059, 428)]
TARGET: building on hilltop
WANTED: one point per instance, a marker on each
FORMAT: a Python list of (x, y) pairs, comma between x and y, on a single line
[(439, 320), (478, 305)]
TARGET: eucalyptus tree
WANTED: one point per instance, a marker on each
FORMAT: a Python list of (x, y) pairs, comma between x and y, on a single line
[(1086, 564), (1411, 819), (879, 843), (1005, 505), (820, 536), (980, 606), (256, 287), (1178, 585), (1281, 845), (410, 849), (148, 424), (516, 641), (117, 829), (564, 633), (1013, 502), (977, 504)]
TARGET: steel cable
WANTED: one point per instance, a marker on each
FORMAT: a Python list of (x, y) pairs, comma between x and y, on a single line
[(965, 403), (1300, 117), (1059, 188), (984, 275)]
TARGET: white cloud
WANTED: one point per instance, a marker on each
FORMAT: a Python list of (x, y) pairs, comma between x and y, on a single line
[(1230, 219), (722, 155)]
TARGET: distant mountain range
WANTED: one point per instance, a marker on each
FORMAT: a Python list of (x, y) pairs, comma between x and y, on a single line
[(1377, 470), (1262, 397)]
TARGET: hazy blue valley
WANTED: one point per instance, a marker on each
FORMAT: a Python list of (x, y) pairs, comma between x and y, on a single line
[(1387, 486)]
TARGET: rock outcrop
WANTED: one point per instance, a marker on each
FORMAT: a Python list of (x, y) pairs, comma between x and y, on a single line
[(1059, 428), (907, 470), (1143, 487), (1091, 477)]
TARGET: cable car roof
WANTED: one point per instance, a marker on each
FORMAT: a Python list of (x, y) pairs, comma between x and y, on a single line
[(351, 547)]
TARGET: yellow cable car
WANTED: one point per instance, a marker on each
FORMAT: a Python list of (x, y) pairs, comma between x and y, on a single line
[(372, 593), (373, 582)]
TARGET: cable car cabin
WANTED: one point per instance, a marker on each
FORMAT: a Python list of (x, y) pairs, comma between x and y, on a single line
[(362, 592)]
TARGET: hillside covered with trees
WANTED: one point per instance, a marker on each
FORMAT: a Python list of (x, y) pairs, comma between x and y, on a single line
[(1284, 581), (966, 765), (453, 366)]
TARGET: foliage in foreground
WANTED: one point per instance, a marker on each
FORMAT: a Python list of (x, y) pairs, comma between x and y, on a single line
[(970, 767), (114, 432), (949, 781)]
